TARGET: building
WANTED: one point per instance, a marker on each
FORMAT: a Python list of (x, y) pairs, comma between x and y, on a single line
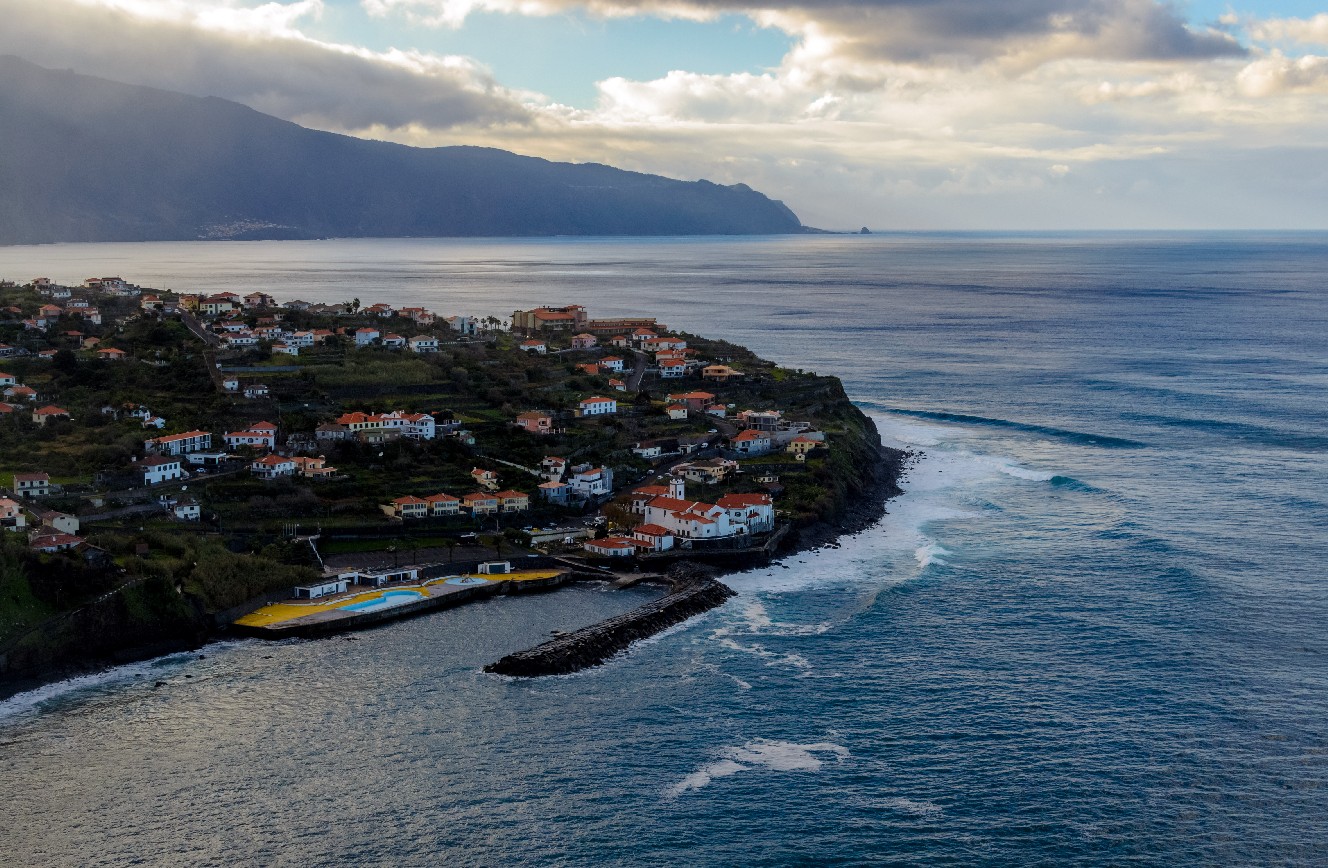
[(186, 509), (11, 515), (365, 336), (583, 341), (513, 501), (597, 406), (111, 354), (259, 299), (708, 471), (719, 373), (262, 435), (653, 537), (157, 469), (42, 415), (308, 467), (671, 369), (393, 342), (761, 420), (552, 467), (480, 503), (612, 363), (535, 422), (755, 512), (325, 588), (555, 492), (611, 546), (51, 543), (549, 319), (410, 507), (801, 445), (286, 349), (331, 431), (273, 467), (750, 442), (696, 402), (424, 344), (443, 505), (676, 411), (587, 481), (255, 390), (487, 479), (534, 346), (32, 484), (178, 444)]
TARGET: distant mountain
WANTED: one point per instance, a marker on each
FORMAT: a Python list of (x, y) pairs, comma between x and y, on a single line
[(85, 159)]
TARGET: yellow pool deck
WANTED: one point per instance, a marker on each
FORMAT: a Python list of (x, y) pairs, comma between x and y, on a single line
[(293, 610)]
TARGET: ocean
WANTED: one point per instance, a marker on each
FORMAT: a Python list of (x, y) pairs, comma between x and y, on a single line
[(1093, 631)]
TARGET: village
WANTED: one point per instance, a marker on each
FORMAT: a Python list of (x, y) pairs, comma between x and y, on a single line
[(330, 436)]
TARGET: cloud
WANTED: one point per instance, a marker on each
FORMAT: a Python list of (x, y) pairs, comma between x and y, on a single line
[(1277, 74), (1306, 31), (256, 56), (909, 31)]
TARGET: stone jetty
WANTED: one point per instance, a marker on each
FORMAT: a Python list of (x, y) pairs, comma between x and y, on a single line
[(694, 591)]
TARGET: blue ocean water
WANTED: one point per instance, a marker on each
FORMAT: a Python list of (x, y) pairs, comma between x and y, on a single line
[(1093, 631)]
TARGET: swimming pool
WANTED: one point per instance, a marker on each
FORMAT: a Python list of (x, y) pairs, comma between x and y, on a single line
[(386, 601)]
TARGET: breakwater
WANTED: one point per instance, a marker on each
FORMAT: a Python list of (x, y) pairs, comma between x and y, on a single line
[(591, 646)]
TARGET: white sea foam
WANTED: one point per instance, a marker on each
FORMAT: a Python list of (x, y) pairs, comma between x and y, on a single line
[(912, 806), (929, 554), (761, 753)]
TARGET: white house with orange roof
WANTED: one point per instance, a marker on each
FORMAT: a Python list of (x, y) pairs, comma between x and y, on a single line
[(653, 537), (589, 481), (273, 467), (157, 469), (612, 363), (480, 503), (671, 368), (443, 504), (534, 346), (32, 483), (513, 501), (611, 546), (486, 478), (750, 442), (424, 344), (756, 512), (676, 411), (366, 336), (393, 341), (261, 435), (410, 507), (597, 406), (11, 515), (7, 379)]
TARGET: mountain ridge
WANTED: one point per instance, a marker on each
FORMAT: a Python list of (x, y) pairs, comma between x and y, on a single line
[(88, 159)]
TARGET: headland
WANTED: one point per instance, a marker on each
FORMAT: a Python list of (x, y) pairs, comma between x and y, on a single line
[(181, 467)]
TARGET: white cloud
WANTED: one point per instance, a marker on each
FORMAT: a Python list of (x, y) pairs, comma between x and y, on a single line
[(256, 56), (1309, 31)]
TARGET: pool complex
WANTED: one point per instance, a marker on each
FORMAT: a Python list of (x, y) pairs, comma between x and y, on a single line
[(375, 601)]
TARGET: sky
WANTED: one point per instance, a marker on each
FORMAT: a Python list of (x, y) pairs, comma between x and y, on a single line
[(891, 114)]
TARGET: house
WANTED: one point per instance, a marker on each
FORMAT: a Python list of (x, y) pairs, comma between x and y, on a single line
[(157, 469), (20, 393), (464, 325), (486, 478), (259, 435), (618, 384), (215, 305), (583, 341), (676, 411), (719, 411), (273, 467), (652, 537), (672, 368), (376, 427), (423, 344), (650, 449), (612, 363), (553, 467), (332, 431), (591, 368), (11, 515), (60, 522), (534, 346), (709, 471), (719, 373), (286, 349), (696, 402), (32, 484), (755, 512), (611, 546), (597, 406), (259, 299), (513, 501), (154, 422), (480, 504), (42, 415), (643, 334), (380, 310), (393, 341), (761, 420), (750, 442), (186, 509), (178, 444), (301, 339), (443, 504), (555, 492), (418, 315), (588, 481), (410, 507), (256, 390), (313, 467), (535, 423), (51, 543), (801, 445), (365, 336)]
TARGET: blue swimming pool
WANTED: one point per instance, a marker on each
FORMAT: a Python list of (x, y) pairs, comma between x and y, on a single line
[(386, 601)]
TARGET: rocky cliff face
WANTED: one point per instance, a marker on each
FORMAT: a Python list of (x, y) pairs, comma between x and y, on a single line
[(85, 159)]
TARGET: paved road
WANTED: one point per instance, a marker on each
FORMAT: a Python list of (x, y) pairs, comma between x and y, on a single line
[(634, 381)]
